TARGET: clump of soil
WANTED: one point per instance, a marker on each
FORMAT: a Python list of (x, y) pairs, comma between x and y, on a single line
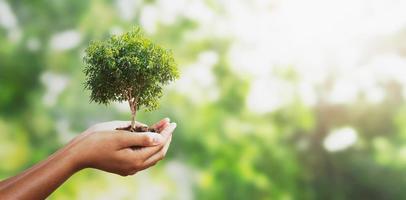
[(138, 129)]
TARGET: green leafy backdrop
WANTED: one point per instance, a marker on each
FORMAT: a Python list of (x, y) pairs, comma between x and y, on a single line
[(222, 148)]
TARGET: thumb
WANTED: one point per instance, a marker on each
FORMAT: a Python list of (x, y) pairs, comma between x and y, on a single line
[(128, 139)]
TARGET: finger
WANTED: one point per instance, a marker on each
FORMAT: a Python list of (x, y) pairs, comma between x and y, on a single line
[(129, 139), (159, 126), (151, 161), (159, 155), (166, 147), (167, 131), (149, 151)]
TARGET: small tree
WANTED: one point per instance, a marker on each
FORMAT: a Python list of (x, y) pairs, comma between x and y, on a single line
[(128, 67)]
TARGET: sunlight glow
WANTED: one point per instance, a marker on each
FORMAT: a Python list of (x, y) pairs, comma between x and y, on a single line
[(317, 39)]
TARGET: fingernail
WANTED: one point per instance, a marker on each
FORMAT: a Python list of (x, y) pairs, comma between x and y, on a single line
[(173, 124), (167, 119)]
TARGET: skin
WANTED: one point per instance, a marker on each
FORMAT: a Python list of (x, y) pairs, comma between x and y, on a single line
[(99, 147)]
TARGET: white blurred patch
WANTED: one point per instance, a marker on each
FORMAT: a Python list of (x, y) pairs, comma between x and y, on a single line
[(267, 95), (7, 17), (375, 95), (344, 91), (54, 84), (248, 60), (307, 94), (126, 8), (149, 19), (169, 10), (8, 20), (199, 12), (198, 81), (340, 139), (65, 40), (389, 66)]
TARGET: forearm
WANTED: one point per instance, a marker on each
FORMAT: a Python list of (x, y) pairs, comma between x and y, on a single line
[(42, 179), (5, 182)]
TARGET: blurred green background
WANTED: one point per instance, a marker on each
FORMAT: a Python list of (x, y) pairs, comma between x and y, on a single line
[(278, 99)]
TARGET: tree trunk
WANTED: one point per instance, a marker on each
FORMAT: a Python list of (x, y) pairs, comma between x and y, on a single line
[(133, 107), (133, 120)]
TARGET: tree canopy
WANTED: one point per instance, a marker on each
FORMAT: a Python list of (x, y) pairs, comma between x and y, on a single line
[(128, 67)]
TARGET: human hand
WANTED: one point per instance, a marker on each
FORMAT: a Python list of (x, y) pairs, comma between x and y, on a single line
[(104, 148)]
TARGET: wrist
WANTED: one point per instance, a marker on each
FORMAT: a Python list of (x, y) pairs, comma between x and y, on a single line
[(71, 159)]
